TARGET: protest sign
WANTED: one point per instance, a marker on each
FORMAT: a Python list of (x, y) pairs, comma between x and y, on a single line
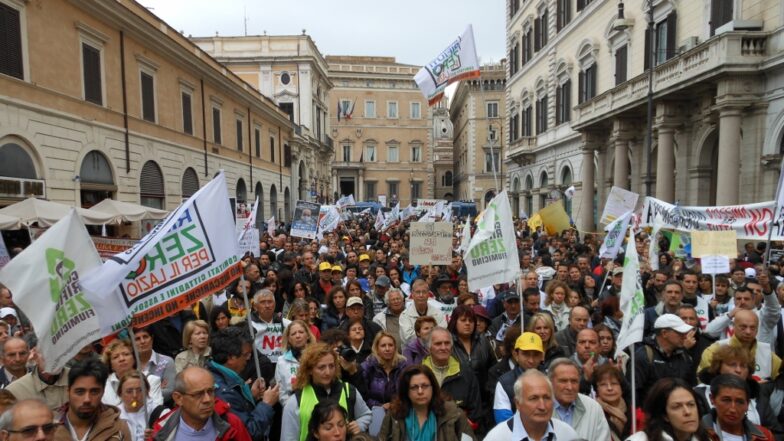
[(750, 221), (306, 217), (554, 218), (269, 338), (492, 254), (431, 243), (107, 247), (619, 201), (714, 243), (715, 264), (249, 243), (45, 281), (329, 218), (188, 256)]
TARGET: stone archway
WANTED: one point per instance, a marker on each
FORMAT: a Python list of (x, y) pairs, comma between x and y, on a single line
[(704, 176)]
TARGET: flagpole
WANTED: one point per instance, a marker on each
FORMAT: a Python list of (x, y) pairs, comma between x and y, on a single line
[(634, 393), (250, 327), (139, 369)]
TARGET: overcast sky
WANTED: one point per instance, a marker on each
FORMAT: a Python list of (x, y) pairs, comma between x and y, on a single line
[(412, 31)]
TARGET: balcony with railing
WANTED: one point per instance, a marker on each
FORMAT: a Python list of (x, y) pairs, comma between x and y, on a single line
[(731, 52), (521, 150)]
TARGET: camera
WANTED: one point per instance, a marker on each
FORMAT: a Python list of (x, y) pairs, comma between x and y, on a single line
[(348, 354)]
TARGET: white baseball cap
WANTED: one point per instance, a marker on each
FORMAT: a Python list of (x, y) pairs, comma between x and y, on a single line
[(5, 312), (671, 321)]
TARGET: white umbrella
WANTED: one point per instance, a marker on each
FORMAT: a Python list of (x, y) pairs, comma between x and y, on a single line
[(128, 211), (47, 213), (9, 222)]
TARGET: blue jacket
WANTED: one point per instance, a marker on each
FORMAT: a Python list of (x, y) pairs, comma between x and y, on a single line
[(229, 387)]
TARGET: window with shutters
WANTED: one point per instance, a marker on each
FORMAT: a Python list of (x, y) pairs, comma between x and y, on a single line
[(151, 189), (257, 140), (286, 156), (392, 187), (370, 190), (190, 183), (393, 153), (563, 14), (370, 153), (581, 4), (11, 49), (621, 64), (392, 109), (586, 88), (563, 102), (541, 114), (514, 58), (527, 46), (721, 13), (514, 6), (186, 98), (238, 127), (416, 190), (526, 120), (92, 73), (492, 109), (272, 149), (537, 34), (416, 110), (147, 84), (416, 153), (541, 27), (216, 125), (665, 38), (346, 152)]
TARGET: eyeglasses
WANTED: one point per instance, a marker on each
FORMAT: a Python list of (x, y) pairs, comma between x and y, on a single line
[(420, 387), (32, 431), (210, 392)]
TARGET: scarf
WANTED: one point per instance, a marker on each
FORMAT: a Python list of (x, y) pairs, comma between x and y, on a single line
[(232, 376), (428, 430), (616, 415)]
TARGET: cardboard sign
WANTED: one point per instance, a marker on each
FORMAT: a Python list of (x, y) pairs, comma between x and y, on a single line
[(431, 243), (714, 243), (715, 264), (619, 201)]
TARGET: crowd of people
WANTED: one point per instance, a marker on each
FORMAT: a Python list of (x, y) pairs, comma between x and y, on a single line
[(344, 338)]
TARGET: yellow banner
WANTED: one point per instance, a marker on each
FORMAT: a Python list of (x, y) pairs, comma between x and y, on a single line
[(554, 218)]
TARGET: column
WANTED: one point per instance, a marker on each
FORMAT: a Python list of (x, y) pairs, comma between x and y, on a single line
[(665, 165), (586, 204), (601, 179), (729, 156), (621, 169), (360, 191)]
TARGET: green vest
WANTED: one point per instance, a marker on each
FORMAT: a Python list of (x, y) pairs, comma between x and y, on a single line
[(308, 401)]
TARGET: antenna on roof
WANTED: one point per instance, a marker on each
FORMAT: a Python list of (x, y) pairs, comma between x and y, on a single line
[(245, 20)]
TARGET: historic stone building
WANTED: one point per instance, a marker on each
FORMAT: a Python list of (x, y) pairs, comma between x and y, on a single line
[(478, 111), (291, 71), (103, 99), (577, 90), (383, 130)]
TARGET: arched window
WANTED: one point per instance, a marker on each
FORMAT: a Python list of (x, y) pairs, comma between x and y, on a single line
[(242, 191), (529, 197), (287, 204), (15, 162), (259, 193), (96, 181), (446, 180), (190, 183), (587, 77), (543, 183), (274, 203), (566, 182), (151, 189), (489, 197)]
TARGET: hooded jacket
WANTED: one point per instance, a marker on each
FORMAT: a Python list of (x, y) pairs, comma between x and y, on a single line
[(227, 425)]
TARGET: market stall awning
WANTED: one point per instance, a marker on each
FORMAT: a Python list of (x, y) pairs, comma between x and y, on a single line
[(47, 213), (128, 211)]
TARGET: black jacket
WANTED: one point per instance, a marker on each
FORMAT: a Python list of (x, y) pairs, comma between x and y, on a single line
[(652, 364)]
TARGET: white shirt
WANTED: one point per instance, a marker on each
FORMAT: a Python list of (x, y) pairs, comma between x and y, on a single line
[(556, 431)]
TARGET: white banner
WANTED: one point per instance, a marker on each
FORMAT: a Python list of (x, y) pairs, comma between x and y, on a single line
[(466, 239), (346, 201), (492, 254), (379, 220), (188, 256), (4, 256), (619, 201), (632, 298), (329, 218), (249, 243), (616, 231), (250, 222), (457, 62), (430, 243), (271, 226), (45, 281), (392, 217), (750, 221), (653, 246)]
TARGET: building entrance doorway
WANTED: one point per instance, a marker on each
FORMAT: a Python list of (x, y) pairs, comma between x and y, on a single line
[(347, 186)]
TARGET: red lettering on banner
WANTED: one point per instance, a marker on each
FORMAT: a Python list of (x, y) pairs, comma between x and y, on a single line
[(271, 342)]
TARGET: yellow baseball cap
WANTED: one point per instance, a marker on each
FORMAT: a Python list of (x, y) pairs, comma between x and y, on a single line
[(337, 268), (325, 266), (364, 257), (529, 341)]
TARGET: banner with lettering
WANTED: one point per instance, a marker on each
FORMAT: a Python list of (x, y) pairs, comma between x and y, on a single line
[(430, 243), (45, 280), (107, 247), (269, 338), (492, 254), (191, 254), (750, 221), (616, 231)]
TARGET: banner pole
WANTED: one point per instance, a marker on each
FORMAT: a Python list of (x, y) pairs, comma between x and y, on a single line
[(634, 393), (138, 359), (250, 327)]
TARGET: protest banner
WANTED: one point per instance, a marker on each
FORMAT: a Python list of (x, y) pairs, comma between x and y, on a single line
[(750, 221), (446, 309), (457, 62), (188, 256), (632, 301), (346, 201), (249, 243), (554, 218), (619, 201), (107, 247), (329, 218), (430, 243), (271, 226), (714, 243), (492, 254), (269, 338), (306, 217), (4, 256), (715, 264), (45, 281), (248, 222)]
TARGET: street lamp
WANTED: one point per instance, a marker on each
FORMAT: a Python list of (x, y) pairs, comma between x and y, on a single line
[(621, 24)]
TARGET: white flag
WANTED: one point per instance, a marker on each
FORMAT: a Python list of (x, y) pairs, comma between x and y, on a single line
[(407, 213), (346, 201), (379, 220), (250, 222), (466, 239), (569, 192), (329, 218), (446, 213), (45, 281), (271, 226), (632, 298), (616, 231), (190, 255), (457, 62), (653, 256), (492, 253), (393, 217)]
